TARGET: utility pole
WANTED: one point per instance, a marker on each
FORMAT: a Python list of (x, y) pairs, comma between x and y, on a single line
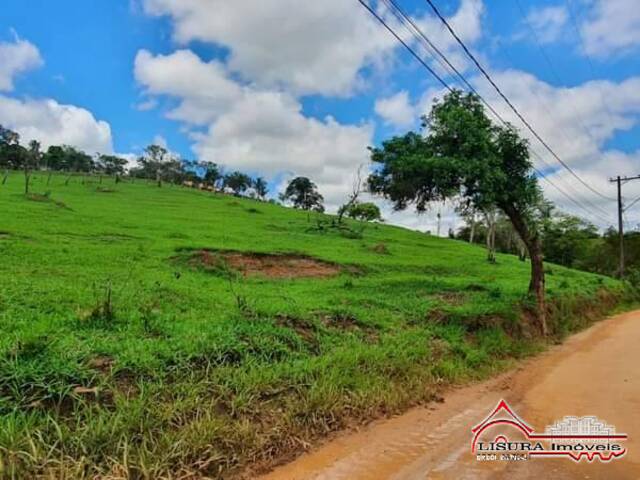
[(619, 180)]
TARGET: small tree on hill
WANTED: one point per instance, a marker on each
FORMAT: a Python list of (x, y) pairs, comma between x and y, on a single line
[(365, 211), (465, 156), (11, 152), (260, 186), (303, 193), (112, 165), (352, 199), (212, 173), (238, 182), (152, 163), (31, 161)]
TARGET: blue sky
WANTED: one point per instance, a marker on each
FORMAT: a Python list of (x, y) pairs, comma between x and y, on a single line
[(282, 87)]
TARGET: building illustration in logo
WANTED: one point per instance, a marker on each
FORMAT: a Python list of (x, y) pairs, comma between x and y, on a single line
[(580, 426), (503, 435)]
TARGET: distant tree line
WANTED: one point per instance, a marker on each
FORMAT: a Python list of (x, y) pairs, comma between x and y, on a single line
[(161, 166), (566, 240)]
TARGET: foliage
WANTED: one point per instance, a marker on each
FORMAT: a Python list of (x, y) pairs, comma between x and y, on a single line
[(117, 362), (156, 163), (303, 193), (260, 186), (464, 156), (111, 165), (364, 211), (212, 173), (238, 182)]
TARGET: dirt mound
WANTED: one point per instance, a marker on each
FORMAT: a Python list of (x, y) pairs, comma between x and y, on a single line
[(269, 265)]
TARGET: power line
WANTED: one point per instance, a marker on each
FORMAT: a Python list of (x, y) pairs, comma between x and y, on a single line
[(505, 51), (413, 30), (411, 50), (422, 62), (573, 15), (627, 207), (553, 71), (504, 97), (405, 20)]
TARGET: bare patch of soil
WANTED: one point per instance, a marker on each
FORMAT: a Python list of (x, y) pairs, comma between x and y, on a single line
[(380, 248), (45, 198), (268, 265), (451, 298), (101, 363)]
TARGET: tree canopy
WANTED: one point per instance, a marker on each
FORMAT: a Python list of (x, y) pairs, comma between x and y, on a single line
[(238, 182), (303, 193), (364, 211), (464, 156)]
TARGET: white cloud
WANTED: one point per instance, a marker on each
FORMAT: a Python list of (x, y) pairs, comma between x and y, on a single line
[(266, 132), (279, 50), (548, 23), (576, 121), (53, 123), (253, 129), (160, 141), (45, 120), (577, 124), (204, 88), (466, 22), (399, 111), (396, 110), (306, 47), (146, 105), (16, 57), (613, 27)]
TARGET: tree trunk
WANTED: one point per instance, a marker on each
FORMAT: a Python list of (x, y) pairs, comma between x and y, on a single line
[(158, 179), (49, 178), (490, 220), (26, 181), (532, 242), (536, 285), (472, 234)]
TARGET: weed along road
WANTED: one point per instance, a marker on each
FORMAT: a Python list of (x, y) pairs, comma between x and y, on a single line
[(593, 373)]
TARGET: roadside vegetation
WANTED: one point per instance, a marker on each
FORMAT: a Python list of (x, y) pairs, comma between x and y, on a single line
[(171, 322), (127, 351)]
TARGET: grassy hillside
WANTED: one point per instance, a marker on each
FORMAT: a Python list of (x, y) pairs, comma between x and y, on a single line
[(129, 347)]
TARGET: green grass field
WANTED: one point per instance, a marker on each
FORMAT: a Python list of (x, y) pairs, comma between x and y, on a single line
[(189, 369)]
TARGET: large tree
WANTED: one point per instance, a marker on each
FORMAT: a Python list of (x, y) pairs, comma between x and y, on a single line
[(464, 156), (31, 161), (363, 211), (12, 154), (303, 193), (261, 188), (238, 182), (212, 173), (153, 163), (112, 165)]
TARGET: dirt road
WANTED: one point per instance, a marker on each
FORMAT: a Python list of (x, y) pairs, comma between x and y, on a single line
[(596, 372)]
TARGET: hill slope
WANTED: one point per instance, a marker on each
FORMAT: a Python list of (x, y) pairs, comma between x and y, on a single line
[(132, 344)]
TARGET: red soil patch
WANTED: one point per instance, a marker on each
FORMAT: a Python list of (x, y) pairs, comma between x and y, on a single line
[(269, 265)]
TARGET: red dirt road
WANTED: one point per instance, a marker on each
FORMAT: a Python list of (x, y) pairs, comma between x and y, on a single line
[(595, 372)]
